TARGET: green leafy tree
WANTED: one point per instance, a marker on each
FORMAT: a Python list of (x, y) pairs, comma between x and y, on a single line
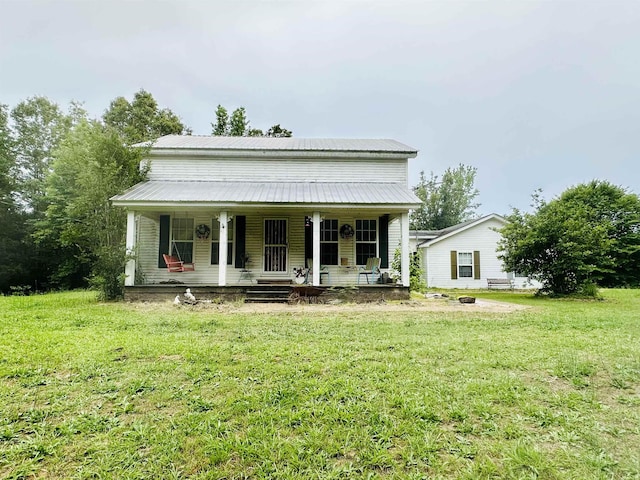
[(221, 126), (142, 119), (38, 127), (90, 166), (589, 235), (12, 228), (278, 131), (238, 125), (7, 162), (447, 201)]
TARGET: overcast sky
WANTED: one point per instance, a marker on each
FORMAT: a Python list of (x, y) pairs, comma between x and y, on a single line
[(534, 94)]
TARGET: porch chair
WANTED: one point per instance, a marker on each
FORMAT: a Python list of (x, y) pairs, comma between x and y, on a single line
[(174, 264), (371, 268), (324, 270)]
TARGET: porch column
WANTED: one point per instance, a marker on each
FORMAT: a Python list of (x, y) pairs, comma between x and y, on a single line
[(404, 240), (316, 249), (222, 251), (130, 266)]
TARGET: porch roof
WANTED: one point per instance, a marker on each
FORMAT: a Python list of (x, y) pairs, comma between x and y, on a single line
[(158, 193)]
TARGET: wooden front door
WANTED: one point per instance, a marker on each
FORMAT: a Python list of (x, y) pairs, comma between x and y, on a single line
[(276, 245)]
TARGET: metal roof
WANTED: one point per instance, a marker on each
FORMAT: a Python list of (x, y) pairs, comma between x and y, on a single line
[(163, 192), (203, 142), (434, 236)]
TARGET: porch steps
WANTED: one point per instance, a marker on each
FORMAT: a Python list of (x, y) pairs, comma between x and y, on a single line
[(267, 294)]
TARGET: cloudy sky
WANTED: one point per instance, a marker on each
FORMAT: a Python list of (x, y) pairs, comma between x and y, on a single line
[(534, 94)]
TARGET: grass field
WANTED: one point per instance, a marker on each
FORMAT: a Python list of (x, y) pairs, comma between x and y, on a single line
[(92, 390)]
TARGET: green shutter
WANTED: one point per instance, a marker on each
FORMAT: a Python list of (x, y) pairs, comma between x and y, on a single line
[(383, 240), (163, 243), (241, 235), (476, 265), (308, 241), (454, 265)]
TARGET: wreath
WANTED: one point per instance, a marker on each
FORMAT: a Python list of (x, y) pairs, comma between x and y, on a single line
[(346, 231), (203, 231)]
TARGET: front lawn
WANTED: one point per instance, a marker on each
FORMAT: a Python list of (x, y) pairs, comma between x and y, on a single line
[(92, 390)]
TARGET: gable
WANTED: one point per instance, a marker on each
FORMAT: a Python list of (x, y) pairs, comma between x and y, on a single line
[(470, 228)]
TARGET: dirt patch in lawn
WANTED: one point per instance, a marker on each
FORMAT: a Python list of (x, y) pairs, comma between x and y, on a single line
[(400, 306), (427, 304)]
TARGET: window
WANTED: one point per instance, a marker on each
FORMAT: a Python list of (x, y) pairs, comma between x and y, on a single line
[(329, 242), (182, 239), (465, 265), (215, 242), (366, 241)]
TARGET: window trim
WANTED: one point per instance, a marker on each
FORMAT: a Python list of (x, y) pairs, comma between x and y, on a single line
[(460, 264), (173, 242), (334, 243), (358, 232)]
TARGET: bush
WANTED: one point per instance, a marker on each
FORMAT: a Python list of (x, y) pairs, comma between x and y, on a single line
[(108, 276), (417, 282)]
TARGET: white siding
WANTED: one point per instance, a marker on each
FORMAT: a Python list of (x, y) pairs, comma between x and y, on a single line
[(482, 238), (281, 170)]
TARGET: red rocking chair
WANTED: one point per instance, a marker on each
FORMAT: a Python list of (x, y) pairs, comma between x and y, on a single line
[(174, 264)]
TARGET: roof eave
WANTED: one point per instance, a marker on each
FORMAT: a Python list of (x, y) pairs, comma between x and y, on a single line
[(466, 227), (262, 153), (293, 205)]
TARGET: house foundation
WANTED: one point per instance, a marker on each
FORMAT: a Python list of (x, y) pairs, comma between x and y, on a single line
[(167, 293)]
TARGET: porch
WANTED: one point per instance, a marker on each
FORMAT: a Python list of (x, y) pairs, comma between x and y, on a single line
[(240, 248), (267, 292)]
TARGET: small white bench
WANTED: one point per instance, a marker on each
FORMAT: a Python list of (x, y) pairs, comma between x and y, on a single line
[(499, 283)]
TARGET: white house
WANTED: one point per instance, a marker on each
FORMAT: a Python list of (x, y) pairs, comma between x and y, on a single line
[(464, 255), (243, 209)]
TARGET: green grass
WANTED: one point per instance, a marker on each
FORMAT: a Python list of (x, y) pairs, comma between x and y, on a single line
[(91, 390)]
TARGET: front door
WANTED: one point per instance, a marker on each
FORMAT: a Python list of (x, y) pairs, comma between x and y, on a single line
[(276, 246)]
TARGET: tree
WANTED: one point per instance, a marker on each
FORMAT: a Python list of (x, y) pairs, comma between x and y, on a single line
[(11, 222), (278, 131), (38, 127), (7, 164), (238, 125), (90, 166), (221, 127), (446, 202), (142, 120), (588, 235)]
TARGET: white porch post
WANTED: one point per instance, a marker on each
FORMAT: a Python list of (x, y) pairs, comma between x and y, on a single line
[(404, 240), (130, 267), (316, 249), (222, 251)]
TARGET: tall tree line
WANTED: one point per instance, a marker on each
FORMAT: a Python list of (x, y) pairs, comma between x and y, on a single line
[(58, 169)]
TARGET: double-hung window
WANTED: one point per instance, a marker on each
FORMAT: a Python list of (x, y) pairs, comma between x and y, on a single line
[(182, 239), (329, 242), (215, 242), (366, 240), (465, 264)]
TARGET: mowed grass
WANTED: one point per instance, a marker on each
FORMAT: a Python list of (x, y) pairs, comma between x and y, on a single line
[(93, 390)]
